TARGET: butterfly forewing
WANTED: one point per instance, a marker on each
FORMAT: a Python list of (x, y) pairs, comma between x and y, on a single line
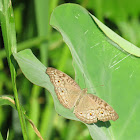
[(91, 108), (67, 90)]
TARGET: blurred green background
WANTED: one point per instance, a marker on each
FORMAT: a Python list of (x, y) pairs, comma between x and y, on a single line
[(33, 31)]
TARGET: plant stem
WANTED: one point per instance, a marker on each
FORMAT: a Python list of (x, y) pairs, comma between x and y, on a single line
[(9, 37)]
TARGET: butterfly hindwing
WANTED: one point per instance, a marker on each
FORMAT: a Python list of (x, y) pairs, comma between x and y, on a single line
[(91, 108)]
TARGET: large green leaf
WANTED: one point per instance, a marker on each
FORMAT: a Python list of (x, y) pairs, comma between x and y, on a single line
[(99, 58)]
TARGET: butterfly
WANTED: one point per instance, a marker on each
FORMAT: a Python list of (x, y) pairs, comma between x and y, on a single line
[(87, 107)]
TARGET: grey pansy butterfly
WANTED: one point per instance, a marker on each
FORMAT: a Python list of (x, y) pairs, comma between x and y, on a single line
[(87, 107)]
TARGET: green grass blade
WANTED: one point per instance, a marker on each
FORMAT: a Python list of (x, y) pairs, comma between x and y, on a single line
[(9, 37), (42, 10), (7, 100), (35, 110)]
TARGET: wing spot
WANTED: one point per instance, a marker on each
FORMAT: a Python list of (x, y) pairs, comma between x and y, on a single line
[(58, 81), (101, 112), (81, 113)]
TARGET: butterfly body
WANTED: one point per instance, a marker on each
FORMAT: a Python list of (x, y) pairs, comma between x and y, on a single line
[(87, 107)]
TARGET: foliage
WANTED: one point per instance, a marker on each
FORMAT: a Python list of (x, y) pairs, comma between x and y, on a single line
[(121, 81)]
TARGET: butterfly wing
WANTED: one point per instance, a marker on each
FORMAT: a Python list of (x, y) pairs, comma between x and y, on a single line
[(91, 108), (67, 90)]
